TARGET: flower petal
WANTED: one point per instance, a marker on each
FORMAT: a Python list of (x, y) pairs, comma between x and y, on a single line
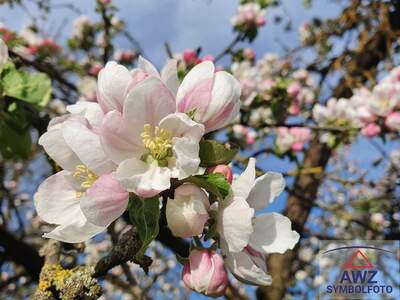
[(55, 199), (243, 267), (145, 180), (187, 159), (180, 125), (91, 111), (266, 189), (86, 144), (235, 222), (169, 75), (55, 146), (195, 89), (242, 185), (224, 105), (76, 230), (112, 86), (147, 66), (119, 140), (148, 103), (104, 201), (273, 234)]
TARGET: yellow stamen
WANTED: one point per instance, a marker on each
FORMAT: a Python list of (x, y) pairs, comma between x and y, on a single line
[(85, 177), (157, 141)]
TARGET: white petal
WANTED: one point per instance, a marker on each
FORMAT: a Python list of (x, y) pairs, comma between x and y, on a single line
[(266, 189), (273, 234), (187, 160), (242, 185), (54, 144), (112, 85), (147, 66), (169, 75), (242, 266), (182, 126), (143, 179), (148, 103), (76, 230), (89, 110), (86, 144), (235, 222), (55, 199), (120, 141)]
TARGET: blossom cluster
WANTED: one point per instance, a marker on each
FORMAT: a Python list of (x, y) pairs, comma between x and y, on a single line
[(140, 140), (372, 112), (249, 14)]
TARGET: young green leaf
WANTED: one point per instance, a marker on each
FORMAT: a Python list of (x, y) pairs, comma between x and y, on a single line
[(216, 184), (213, 153), (144, 213)]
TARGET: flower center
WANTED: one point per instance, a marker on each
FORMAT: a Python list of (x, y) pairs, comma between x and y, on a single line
[(158, 141), (86, 178)]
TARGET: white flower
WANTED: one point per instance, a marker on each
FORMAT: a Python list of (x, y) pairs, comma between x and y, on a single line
[(83, 199), (187, 212), (337, 113), (245, 238), (149, 142), (248, 14)]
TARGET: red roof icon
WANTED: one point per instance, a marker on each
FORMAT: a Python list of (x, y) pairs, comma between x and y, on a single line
[(349, 264)]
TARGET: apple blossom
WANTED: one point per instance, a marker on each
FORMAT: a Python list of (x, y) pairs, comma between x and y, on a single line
[(149, 141), (3, 52), (292, 138), (245, 238), (83, 199), (385, 97), (187, 212), (205, 273), (221, 169), (115, 81), (337, 113), (249, 14), (371, 130), (393, 121), (209, 97)]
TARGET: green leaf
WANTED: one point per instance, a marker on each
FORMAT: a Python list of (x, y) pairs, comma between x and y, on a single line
[(213, 153), (215, 184), (14, 143), (34, 88), (144, 213)]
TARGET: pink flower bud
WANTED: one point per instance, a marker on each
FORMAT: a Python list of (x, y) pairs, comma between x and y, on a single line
[(294, 89), (105, 2), (371, 130), (222, 169), (249, 53), (294, 109), (208, 58), (205, 273), (260, 21), (392, 121), (189, 56), (187, 212)]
